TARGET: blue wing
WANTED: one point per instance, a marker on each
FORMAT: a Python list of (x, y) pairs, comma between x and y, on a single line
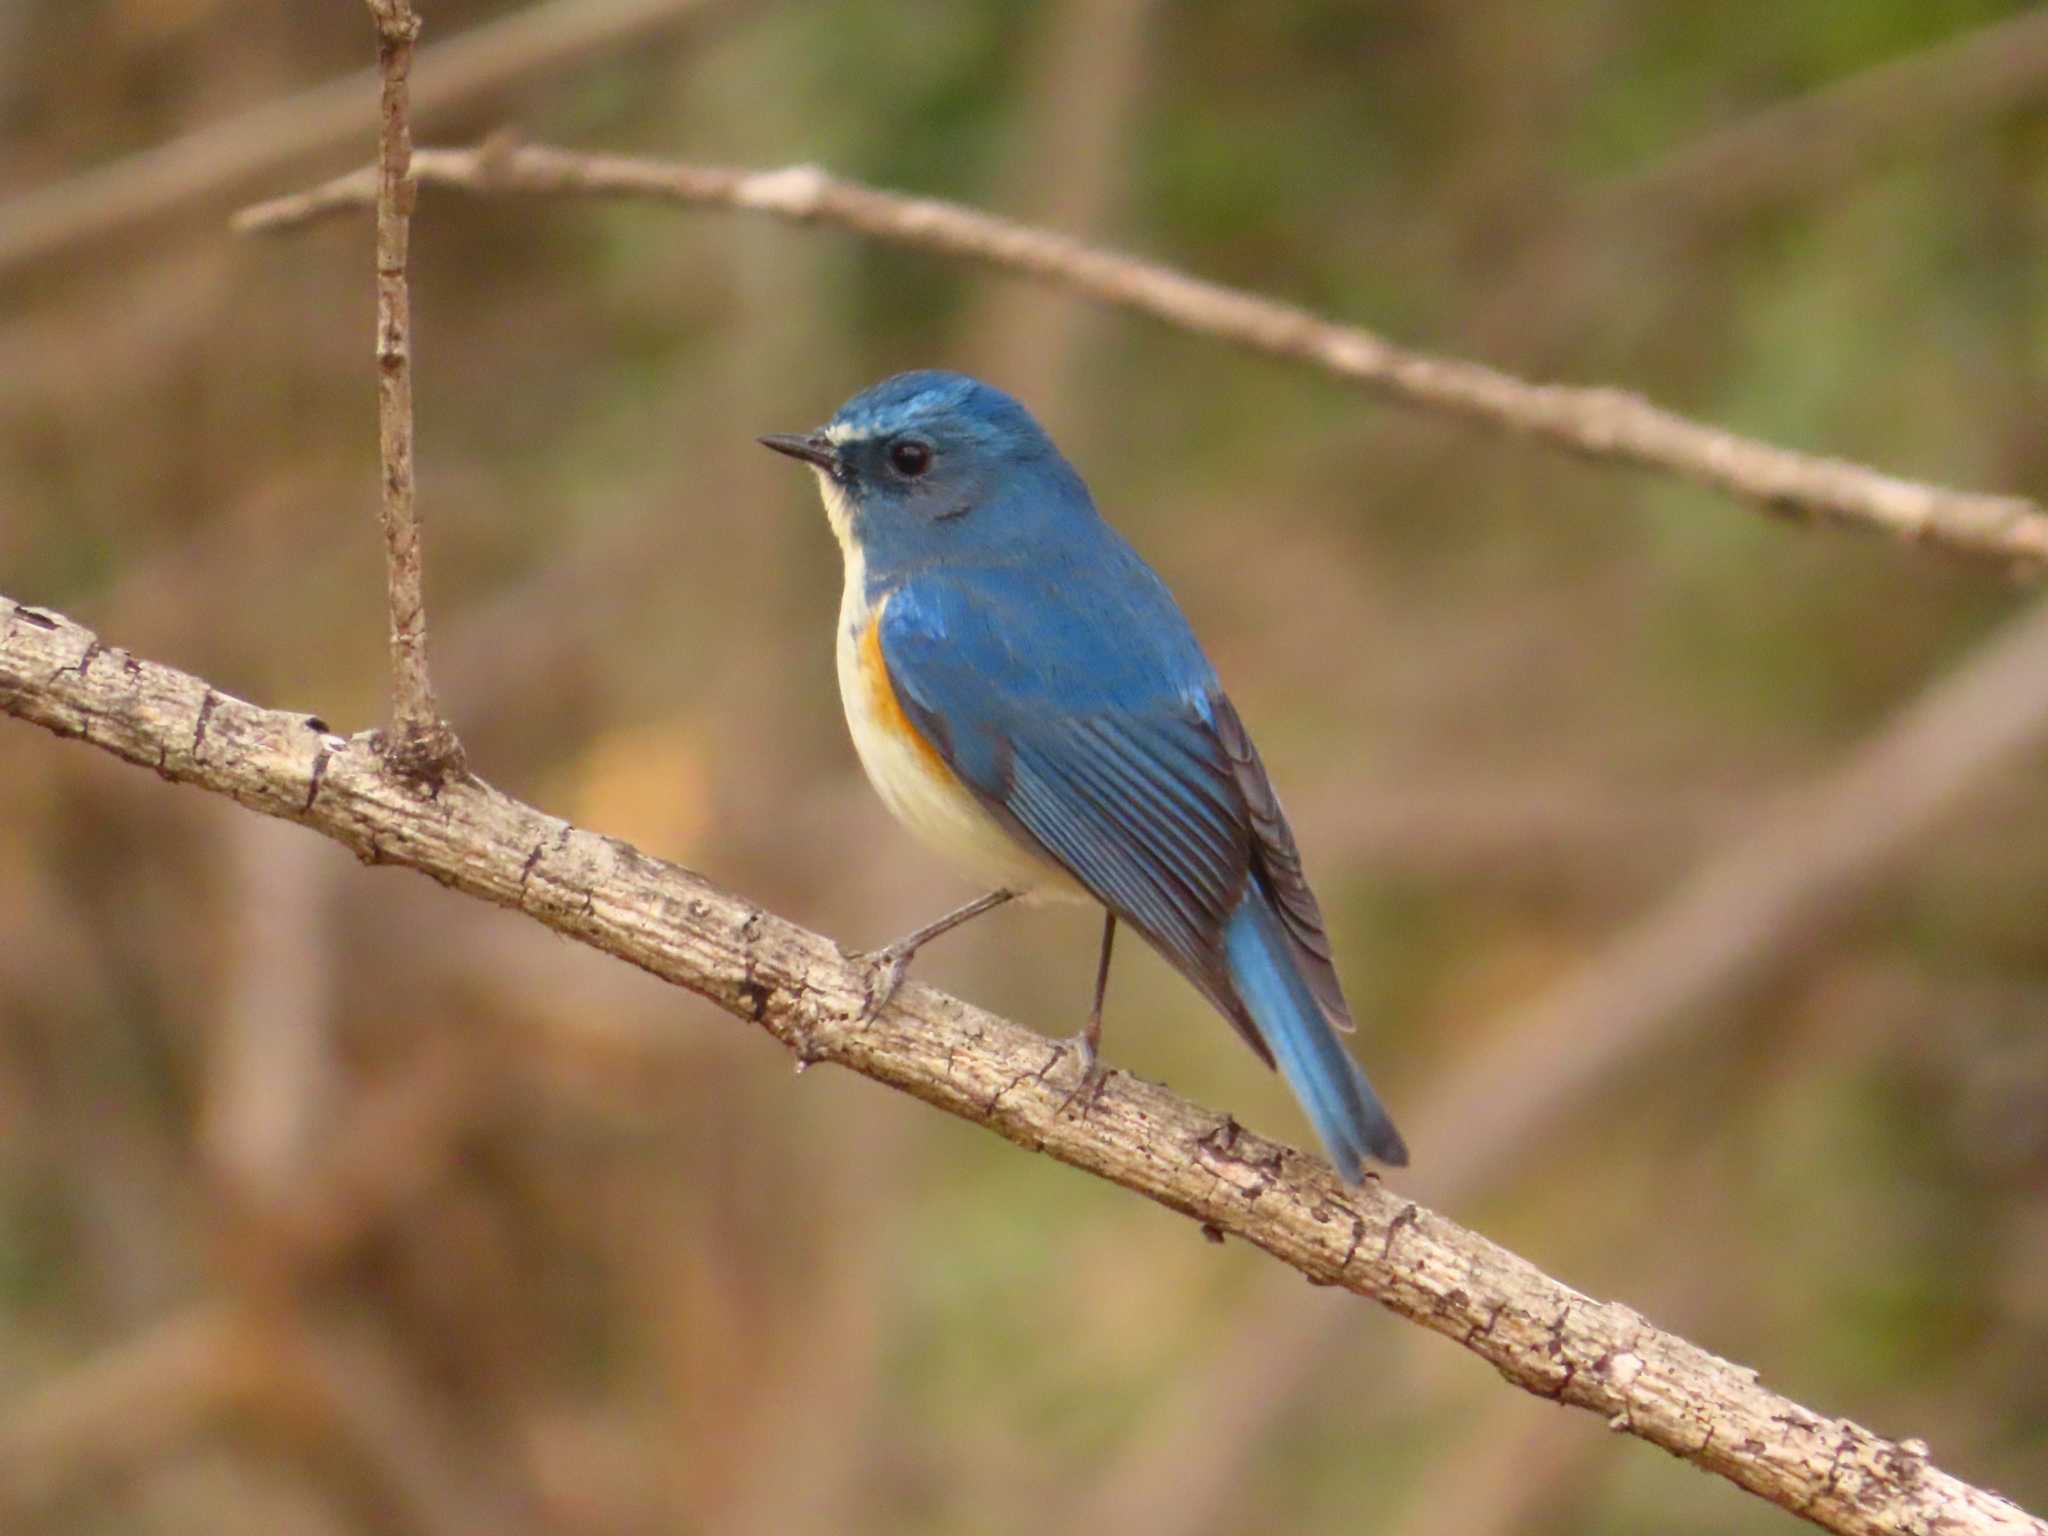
[(1095, 751), (1075, 703)]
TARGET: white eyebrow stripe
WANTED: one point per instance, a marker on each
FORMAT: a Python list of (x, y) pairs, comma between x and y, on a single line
[(840, 435)]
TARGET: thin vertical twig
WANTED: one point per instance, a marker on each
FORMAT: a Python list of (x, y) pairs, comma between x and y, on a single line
[(422, 744)]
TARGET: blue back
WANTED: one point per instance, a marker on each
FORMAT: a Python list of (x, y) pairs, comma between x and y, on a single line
[(1053, 671)]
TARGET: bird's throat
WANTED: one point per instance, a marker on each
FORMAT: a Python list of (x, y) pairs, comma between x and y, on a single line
[(839, 513)]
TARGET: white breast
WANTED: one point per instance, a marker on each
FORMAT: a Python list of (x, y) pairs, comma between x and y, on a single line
[(926, 798)]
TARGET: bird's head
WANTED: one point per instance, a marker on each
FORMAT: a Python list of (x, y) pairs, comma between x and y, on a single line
[(929, 463)]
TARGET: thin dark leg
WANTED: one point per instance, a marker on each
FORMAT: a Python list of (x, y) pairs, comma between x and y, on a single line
[(1089, 1041), (1091, 1033), (888, 964)]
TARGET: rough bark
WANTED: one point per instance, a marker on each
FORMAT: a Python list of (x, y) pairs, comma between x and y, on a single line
[(1539, 1334)]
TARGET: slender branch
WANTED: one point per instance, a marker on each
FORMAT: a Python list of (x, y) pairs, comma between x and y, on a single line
[(1599, 423), (1540, 1335), (133, 1401), (1823, 138), (1760, 898), (423, 1462), (222, 158), (148, 1395), (1766, 891), (423, 746)]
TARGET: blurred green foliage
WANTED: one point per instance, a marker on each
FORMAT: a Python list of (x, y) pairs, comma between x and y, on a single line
[(639, 1280)]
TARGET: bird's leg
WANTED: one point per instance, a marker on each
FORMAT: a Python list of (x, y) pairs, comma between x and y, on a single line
[(1089, 1041), (887, 965)]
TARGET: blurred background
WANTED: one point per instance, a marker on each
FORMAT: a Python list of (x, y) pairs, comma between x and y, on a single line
[(331, 1203)]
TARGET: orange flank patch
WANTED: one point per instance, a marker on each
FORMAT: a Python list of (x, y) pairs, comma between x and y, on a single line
[(884, 708)]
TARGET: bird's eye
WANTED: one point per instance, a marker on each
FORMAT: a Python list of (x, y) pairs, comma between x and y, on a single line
[(909, 457)]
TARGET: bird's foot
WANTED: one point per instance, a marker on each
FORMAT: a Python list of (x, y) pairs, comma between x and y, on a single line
[(887, 965), (886, 968), (1093, 1073)]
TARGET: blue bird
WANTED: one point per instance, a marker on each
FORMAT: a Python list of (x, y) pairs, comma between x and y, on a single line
[(1027, 698)]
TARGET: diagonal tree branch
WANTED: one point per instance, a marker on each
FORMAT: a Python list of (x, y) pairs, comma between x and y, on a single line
[(1762, 895), (177, 1379), (1770, 886), (219, 159), (1599, 423), (1819, 140), (1541, 1335), (128, 1403)]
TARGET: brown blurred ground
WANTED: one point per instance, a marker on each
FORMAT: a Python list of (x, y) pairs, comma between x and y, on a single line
[(531, 1243)]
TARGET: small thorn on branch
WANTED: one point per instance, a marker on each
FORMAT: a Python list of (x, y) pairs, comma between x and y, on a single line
[(422, 746)]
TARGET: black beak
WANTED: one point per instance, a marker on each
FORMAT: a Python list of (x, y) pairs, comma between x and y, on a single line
[(812, 447)]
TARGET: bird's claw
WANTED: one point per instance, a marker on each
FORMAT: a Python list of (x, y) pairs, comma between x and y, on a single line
[(1093, 1076), (886, 968)]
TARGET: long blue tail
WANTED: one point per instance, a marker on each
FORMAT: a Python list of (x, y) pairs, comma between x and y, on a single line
[(1340, 1103)]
